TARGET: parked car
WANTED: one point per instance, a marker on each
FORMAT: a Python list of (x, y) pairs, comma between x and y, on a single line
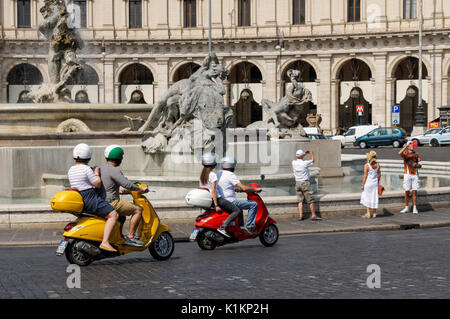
[(424, 139), (382, 136), (349, 137), (312, 130), (441, 138)]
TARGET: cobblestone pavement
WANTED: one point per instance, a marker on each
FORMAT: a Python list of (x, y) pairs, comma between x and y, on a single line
[(413, 264), (427, 153)]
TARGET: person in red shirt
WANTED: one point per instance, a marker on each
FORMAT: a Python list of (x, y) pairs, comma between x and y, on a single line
[(411, 163)]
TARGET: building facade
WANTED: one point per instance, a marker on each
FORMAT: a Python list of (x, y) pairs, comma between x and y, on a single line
[(349, 52)]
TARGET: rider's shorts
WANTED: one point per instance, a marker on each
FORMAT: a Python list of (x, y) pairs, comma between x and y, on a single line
[(123, 207)]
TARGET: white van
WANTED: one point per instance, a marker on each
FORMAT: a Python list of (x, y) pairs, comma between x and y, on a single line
[(353, 133)]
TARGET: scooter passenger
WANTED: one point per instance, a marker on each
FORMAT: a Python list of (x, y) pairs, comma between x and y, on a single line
[(226, 186), (85, 180), (112, 180), (208, 180)]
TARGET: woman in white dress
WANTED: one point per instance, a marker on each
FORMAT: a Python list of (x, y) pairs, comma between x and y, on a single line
[(371, 180)]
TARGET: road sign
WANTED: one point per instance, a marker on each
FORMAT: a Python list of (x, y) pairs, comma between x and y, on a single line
[(360, 108), (396, 118), (395, 109)]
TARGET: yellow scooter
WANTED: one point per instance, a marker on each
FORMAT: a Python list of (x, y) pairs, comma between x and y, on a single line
[(82, 238)]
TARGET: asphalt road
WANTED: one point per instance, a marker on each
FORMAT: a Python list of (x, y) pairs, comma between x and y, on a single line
[(440, 154), (412, 264)]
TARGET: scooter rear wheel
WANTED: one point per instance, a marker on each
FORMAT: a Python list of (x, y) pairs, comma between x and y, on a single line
[(75, 256), (269, 236), (205, 243)]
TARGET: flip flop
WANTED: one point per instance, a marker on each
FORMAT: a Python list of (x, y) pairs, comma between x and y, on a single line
[(108, 249)]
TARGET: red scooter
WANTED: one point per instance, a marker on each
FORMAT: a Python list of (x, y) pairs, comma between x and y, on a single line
[(208, 238)]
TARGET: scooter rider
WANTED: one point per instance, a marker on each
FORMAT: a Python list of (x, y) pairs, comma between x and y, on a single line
[(226, 186), (208, 180), (113, 179), (85, 180)]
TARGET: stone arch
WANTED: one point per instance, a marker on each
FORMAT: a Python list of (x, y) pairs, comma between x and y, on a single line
[(135, 79), (285, 66), (125, 65), (354, 76), (251, 73), (89, 76), (173, 75), (392, 67), (337, 67), (24, 73), (405, 72), (9, 67), (233, 64)]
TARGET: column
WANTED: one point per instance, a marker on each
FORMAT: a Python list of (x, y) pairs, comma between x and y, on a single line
[(324, 106), (270, 88), (334, 105), (390, 99), (117, 95), (162, 72), (436, 85), (109, 80), (445, 93), (379, 96)]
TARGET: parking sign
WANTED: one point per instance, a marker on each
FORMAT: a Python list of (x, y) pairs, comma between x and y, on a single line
[(395, 114), (395, 108)]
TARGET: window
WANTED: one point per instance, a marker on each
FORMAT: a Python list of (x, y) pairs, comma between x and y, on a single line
[(244, 13), (23, 14), (190, 13), (135, 14), (298, 7), (354, 10), (409, 9), (79, 13), (350, 132)]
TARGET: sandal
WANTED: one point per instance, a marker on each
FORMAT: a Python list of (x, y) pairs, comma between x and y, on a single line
[(112, 250), (365, 216)]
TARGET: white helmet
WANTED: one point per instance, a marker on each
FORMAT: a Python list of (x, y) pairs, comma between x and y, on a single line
[(229, 162), (209, 159), (82, 152)]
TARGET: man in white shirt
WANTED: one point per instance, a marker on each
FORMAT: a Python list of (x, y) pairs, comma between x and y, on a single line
[(226, 185), (303, 184)]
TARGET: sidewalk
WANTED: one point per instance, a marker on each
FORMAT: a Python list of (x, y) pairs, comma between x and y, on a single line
[(46, 235)]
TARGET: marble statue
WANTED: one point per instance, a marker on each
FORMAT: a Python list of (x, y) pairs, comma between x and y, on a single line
[(291, 110), (64, 41), (201, 98)]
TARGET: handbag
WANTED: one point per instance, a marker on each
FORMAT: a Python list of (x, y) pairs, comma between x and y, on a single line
[(380, 190)]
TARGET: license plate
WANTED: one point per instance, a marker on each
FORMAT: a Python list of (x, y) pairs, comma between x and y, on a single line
[(61, 247), (194, 234)]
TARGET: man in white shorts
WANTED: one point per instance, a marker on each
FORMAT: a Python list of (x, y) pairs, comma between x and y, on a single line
[(411, 162)]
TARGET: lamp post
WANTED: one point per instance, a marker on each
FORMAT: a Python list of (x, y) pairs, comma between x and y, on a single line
[(103, 50), (280, 47), (419, 118)]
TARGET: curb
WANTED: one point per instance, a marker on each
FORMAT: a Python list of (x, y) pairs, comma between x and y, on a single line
[(386, 227)]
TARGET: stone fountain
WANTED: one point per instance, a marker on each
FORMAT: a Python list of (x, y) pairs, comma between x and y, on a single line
[(165, 151)]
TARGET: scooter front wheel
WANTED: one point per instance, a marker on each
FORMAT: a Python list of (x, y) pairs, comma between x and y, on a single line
[(269, 236), (162, 248), (206, 243), (76, 256)]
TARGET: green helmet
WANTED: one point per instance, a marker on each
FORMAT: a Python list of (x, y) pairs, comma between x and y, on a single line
[(114, 152)]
